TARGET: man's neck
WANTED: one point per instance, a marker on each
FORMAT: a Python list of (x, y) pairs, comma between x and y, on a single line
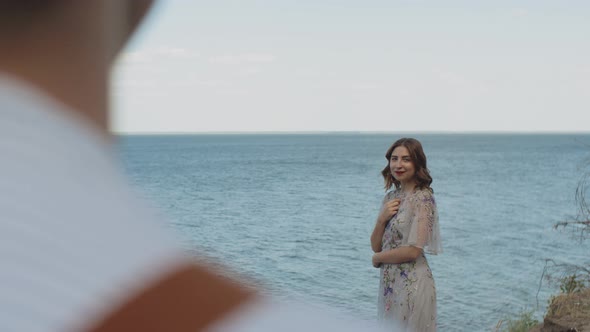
[(81, 85)]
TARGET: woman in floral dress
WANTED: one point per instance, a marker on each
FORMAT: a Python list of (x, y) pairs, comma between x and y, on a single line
[(406, 228)]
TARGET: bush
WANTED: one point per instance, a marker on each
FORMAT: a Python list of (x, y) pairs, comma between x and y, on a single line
[(572, 284), (522, 323)]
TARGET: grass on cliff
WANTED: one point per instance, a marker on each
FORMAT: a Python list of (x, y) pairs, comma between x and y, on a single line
[(573, 305), (522, 323)]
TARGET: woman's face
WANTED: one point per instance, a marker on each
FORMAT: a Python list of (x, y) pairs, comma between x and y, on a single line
[(401, 165)]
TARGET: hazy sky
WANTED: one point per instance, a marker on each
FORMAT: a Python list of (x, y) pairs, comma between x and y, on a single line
[(363, 65)]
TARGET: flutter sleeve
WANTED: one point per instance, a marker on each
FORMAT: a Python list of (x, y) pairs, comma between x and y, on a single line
[(424, 229)]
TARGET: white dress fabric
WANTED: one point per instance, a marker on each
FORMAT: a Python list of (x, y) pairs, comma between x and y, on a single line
[(407, 294)]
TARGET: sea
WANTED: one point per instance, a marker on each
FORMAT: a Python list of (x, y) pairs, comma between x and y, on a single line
[(293, 213)]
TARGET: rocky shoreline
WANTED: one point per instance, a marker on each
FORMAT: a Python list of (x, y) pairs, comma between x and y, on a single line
[(567, 313)]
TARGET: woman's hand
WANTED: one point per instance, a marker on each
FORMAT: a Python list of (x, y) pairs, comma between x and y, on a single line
[(376, 262), (388, 210)]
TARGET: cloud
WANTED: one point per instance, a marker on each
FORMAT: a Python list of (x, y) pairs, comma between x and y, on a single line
[(236, 59), (249, 71), (134, 83), (305, 72), (359, 86), (136, 57), (518, 12), (213, 83), (151, 55), (176, 53)]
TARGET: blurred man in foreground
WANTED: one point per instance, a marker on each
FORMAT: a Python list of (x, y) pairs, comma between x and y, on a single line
[(78, 251)]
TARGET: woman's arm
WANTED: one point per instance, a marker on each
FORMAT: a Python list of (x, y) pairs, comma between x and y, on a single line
[(397, 256), (377, 235), (388, 210)]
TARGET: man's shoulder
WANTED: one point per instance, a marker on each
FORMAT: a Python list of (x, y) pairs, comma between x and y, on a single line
[(71, 222)]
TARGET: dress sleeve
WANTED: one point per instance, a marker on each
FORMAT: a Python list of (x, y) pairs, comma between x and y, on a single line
[(424, 229)]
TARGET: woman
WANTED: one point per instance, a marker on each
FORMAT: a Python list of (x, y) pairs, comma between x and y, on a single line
[(406, 228)]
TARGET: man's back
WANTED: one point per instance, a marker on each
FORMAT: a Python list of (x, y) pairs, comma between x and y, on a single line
[(78, 250)]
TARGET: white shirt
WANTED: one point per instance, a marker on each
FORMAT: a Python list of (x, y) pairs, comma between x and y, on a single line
[(73, 237), (74, 240)]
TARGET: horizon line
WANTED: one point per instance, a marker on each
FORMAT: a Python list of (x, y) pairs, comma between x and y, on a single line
[(360, 132)]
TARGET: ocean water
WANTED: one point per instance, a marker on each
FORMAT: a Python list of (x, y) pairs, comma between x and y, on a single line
[(294, 213)]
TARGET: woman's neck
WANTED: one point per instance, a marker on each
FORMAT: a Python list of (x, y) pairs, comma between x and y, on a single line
[(407, 187)]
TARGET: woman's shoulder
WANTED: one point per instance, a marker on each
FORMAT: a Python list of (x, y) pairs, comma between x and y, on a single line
[(424, 195), (390, 194)]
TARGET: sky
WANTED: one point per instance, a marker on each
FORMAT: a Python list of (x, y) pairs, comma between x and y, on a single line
[(364, 65)]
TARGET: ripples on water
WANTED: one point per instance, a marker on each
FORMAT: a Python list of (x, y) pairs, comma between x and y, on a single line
[(295, 212)]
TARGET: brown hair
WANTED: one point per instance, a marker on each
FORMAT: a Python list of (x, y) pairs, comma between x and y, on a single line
[(17, 16), (422, 175), (21, 10)]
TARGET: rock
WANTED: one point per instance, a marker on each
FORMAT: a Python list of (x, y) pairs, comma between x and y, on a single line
[(567, 313)]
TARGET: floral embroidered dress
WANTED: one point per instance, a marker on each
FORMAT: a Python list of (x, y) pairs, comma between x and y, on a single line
[(407, 294)]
